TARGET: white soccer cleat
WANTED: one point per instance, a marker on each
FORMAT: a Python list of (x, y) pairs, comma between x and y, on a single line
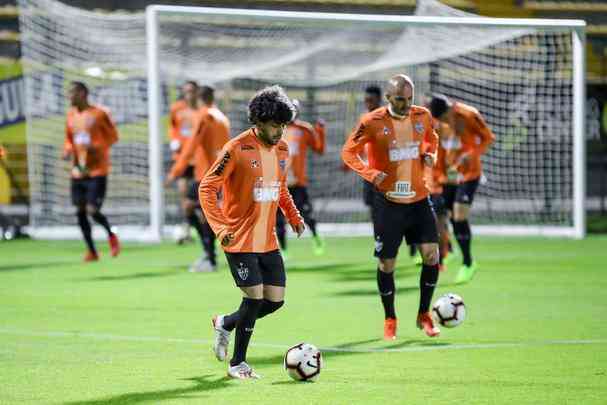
[(242, 371), (202, 265), (222, 338)]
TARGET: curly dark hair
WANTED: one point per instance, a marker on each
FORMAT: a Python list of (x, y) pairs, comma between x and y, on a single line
[(271, 104)]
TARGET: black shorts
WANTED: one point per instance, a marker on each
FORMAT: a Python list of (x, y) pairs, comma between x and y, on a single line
[(416, 222), (188, 174), (192, 192), (301, 200), (368, 193), (438, 204), (90, 190), (461, 193), (249, 269)]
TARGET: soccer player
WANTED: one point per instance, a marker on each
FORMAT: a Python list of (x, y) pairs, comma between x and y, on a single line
[(211, 131), (181, 124), (89, 135), (301, 135), (470, 138), (400, 142), (252, 171)]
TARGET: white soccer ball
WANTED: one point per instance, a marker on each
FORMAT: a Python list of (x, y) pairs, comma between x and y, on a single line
[(303, 362), (449, 310)]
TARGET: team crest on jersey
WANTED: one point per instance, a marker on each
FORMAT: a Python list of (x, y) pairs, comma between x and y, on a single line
[(283, 164), (419, 127), (243, 271), (386, 131), (254, 163)]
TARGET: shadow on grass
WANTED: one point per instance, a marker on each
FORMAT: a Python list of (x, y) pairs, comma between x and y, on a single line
[(201, 384), (134, 276), (33, 266), (373, 291), (351, 349)]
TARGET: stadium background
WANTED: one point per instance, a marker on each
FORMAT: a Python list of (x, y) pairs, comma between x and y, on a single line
[(14, 187)]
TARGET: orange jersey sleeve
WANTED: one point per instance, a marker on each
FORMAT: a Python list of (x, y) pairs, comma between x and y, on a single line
[(300, 136), (475, 137), (182, 121), (252, 177), (396, 147)]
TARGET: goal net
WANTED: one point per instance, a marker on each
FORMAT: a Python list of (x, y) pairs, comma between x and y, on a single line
[(525, 76)]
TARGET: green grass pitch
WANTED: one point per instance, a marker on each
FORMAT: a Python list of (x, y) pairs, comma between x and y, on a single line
[(136, 329)]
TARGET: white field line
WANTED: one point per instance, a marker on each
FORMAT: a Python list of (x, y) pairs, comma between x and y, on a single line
[(429, 347)]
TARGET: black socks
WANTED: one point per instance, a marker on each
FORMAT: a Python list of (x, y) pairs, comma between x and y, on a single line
[(461, 229), (385, 285), (249, 310), (427, 283)]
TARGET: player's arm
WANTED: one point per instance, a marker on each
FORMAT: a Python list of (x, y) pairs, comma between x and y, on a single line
[(210, 186), (318, 137), (288, 207), (484, 133), (180, 166), (175, 144), (109, 130), (68, 143), (429, 146), (352, 149)]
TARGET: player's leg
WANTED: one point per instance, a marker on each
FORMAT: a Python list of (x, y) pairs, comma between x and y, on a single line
[(387, 229), (78, 191), (183, 184), (461, 228), (247, 276), (423, 232), (302, 200), (274, 282), (208, 261), (442, 219), (94, 200)]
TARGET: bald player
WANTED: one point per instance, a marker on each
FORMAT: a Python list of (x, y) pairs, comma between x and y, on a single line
[(469, 138), (400, 142)]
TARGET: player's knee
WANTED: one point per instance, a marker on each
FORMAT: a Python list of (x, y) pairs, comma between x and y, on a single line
[(269, 307), (430, 256), (387, 265), (91, 209)]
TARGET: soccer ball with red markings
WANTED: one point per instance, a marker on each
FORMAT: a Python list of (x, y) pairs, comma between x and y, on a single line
[(303, 362), (449, 310)]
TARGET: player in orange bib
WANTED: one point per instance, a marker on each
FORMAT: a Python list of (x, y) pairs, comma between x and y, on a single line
[(252, 172), (211, 131), (181, 125), (400, 142), (301, 136), (469, 138), (89, 135)]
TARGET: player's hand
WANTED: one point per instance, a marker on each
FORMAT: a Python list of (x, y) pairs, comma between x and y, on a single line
[(298, 228), (168, 181), (66, 155), (320, 122), (228, 239), (379, 179), (175, 145), (464, 159), (428, 160)]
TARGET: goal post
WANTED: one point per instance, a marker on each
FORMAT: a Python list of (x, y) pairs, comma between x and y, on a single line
[(526, 76), (576, 223)]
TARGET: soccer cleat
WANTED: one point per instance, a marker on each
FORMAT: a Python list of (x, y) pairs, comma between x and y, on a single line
[(222, 338), (242, 371), (390, 328), (465, 274), (319, 246), (114, 245), (425, 322), (91, 256), (202, 265)]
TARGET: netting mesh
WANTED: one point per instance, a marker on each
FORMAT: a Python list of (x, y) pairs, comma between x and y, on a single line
[(520, 80)]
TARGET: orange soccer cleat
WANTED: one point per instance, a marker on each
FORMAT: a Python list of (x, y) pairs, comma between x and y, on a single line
[(425, 322), (114, 245), (390, 329), (91, 256)]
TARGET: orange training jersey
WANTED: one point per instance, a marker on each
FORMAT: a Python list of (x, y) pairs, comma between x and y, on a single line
[(435, 176), (475, 137), (395, 147), (89, 134), (300, 135), (211, 131), (252, 176), (181, 124)]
